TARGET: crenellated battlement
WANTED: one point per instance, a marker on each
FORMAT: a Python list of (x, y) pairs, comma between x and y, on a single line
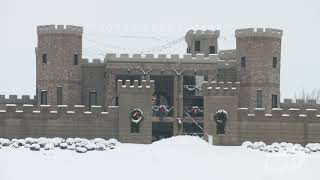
[(145, 85), (228, 54), (258, 32), (300, 103), (278, 114), (199, 34), (55, 111), (93, 61), (220, 88), (14, 99), (187, 58), (59, 29)]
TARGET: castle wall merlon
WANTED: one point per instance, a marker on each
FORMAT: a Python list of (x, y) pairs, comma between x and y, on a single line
[(199, 34), (187, 58), (220, 89), (14, 99), (258, 32), (60, 29)]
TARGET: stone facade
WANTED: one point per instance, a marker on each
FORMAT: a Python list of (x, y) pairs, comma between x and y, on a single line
[(177, 94)]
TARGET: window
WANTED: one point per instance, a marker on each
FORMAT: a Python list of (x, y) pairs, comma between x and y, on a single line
[(212, 50), (243, 62), (75, 59), (197, 46), (92, 99), (221, 118), (274, 62), (59, 95), (43, 97), (44, 58), (188, 50), (274, 101), (259, 99), (135, 127)]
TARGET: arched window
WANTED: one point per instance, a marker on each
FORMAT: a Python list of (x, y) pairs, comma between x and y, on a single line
[(221, 118)]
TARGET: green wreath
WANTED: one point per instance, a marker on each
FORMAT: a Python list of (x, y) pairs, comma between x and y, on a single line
[(136, 115)]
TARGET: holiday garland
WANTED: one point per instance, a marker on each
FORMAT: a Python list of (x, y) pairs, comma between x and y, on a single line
[(136, 115), (162, 108), (192, 87), (194, 110)]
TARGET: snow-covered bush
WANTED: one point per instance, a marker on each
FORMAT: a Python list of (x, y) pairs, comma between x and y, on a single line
[(247, 144), (71, 147), (5, 142), (100, 147), (90, 146), (63, 146), (81, 150), (35, 147), (49, 146)]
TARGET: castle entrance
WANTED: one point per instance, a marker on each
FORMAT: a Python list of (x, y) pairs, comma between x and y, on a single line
[(161, 130)]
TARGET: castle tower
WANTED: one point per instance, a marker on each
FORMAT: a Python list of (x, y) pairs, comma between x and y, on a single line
[(58, 59), (258, 52), (202, 42)]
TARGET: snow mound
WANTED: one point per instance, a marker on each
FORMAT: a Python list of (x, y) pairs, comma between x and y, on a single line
[(181, 140)]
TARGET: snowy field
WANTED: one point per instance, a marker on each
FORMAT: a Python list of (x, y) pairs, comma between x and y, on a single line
[(177, 158)]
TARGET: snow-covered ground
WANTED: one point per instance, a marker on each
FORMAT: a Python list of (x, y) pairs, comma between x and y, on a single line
[(177, 158)]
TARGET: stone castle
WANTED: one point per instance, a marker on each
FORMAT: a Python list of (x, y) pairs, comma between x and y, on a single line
[(230, 95)]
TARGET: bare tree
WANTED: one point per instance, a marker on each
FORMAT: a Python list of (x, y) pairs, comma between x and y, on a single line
[(308, 95)]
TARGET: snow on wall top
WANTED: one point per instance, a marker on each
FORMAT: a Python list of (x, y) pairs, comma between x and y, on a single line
[(259, 32)]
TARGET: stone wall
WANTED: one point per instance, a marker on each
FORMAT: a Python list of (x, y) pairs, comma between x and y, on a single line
[(65, 122)]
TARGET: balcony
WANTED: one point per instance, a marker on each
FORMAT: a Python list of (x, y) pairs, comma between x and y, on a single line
[(162, 111)]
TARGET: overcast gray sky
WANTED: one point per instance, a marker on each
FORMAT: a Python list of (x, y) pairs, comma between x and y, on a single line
[(145, 26)]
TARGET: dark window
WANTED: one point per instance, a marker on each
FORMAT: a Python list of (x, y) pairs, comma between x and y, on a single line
[(44, 97), (197, 46), (44, 58), (259, 99), (59, 95), (212, 50), (135, 127), (243, 62), (274, 101), (221, 120), (188, 50), (274, 62), (92, 99), (75, 59)]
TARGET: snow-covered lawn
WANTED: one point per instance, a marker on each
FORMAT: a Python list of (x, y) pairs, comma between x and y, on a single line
[(177, 158)]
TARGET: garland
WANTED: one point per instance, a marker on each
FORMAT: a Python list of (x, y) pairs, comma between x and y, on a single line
[(192, 87), (194, 110), (136, 115), (221, 116), (162, 108)]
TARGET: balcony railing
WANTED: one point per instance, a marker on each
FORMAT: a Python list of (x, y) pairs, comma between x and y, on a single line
[(194, 111), (162, 111), (192, 90)]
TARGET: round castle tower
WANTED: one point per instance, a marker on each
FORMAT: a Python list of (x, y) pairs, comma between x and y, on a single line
[(58, 59), (259, 55), (202, 42)]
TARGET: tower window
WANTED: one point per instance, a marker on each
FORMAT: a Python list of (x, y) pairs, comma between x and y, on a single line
[(188, 50), (44, 58), (274, 101), (135, 127), (274, 62), (259, 99), (243, 62), (43, 97), (92, 99), (59, 95), (197, 45), (75, 59), (212, 50)]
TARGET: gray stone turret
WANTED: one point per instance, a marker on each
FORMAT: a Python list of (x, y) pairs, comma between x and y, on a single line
[(202, 42), (58, 56), (258, 52)]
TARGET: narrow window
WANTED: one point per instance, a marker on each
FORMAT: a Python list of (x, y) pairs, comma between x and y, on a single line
[(92, 99), (188, 50), (212, 50), (197, 46), (44, 58), (243, 62), (43, 97), (75, 59), (59, 95), (274, 62), (135, 127), (274, 101), (221, 118), (259, 99)]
